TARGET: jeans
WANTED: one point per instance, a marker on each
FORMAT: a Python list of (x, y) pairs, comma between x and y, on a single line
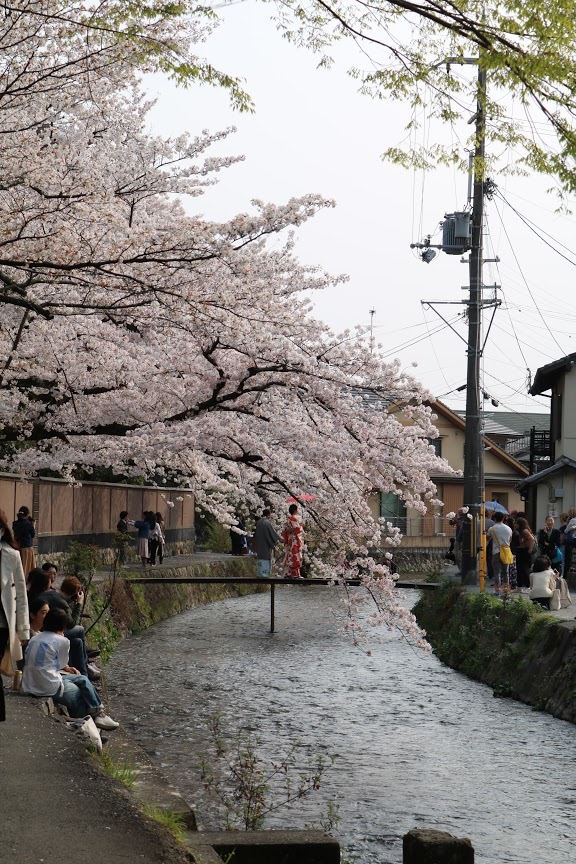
[(79, 696), (263, 568), (78, 657), (499, 570)]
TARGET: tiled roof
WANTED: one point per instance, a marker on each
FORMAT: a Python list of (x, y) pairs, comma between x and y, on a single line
[(519, 422)]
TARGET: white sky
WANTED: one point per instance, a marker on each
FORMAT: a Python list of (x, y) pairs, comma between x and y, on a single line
[(313, 132)]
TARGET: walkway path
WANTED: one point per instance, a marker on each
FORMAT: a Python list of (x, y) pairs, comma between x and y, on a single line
[(58, 806)]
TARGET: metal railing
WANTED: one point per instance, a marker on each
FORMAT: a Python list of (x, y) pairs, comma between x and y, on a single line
[(422, 526)]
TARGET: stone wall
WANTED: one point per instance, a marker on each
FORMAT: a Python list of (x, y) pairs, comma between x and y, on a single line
[(119, 607), (514, 647)]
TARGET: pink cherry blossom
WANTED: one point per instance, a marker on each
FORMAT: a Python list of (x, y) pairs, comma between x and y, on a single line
[(140, 336)]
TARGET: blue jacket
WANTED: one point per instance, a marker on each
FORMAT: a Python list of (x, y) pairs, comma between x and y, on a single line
[(24, 532), (143, 527)]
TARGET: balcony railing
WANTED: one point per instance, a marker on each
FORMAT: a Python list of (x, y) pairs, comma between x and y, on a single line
[(534, 448), (423, 526)]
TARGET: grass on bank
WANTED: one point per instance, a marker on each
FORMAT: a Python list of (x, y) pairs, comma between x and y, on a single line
[(487, 639), (123, 770), (168, 818)]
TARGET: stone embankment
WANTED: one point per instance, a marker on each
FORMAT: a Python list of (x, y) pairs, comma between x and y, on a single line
[(513, 647), (118, 608)]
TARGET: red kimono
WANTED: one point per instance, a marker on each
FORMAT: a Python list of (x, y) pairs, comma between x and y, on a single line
[(293, 539)]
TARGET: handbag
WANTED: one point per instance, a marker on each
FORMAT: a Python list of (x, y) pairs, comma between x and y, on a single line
[(558, 556), (555, 600), (506, 556), (6, 665), (85, 727)]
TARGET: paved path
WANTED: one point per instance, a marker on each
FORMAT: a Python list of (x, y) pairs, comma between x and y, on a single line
[(58, 806), (171, 562), (567, 614)]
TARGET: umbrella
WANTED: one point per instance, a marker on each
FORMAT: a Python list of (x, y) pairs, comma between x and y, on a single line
[(300, 498), (495, 507)]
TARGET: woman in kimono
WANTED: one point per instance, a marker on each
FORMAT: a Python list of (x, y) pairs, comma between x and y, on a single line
[(293, 540)]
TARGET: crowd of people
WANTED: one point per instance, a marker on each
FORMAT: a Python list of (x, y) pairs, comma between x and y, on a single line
[(41, 636), (150, 538), (520, 561)]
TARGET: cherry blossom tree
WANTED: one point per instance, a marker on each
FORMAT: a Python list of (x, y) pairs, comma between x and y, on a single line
[(141, 337)]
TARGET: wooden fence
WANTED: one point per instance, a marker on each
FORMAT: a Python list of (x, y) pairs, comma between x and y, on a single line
[(89, 513)]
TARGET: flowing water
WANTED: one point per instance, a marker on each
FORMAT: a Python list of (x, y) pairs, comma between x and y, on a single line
[(417, 744)]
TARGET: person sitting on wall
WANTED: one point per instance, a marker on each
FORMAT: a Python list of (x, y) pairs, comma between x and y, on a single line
[(38, 582), (47, 673), (69, 599), (37, 611), (542, 582), (52, 570)]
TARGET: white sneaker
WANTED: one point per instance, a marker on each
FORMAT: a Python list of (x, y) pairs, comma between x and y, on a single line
[(103, 721), (94, 674)]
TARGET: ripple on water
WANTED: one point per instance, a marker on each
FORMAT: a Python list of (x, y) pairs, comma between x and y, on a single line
[(418, 745)]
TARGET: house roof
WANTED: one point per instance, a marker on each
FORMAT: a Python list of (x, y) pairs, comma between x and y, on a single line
[(375, 398), (560, 465), (546, 376), (518, 423), (497, 451)]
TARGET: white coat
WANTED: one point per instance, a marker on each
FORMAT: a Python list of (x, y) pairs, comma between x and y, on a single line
[(14, 599)]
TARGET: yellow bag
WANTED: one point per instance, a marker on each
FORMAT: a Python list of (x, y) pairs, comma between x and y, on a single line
[(506, 556)]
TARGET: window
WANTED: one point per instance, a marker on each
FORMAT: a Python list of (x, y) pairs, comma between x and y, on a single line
[(392, 509), (556, 417), (436, 443)]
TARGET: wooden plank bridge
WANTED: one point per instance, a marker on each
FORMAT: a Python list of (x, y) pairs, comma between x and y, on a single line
[(271, 581)]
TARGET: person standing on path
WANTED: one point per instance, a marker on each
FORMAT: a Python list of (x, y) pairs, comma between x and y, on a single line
[(526, 544), (293, 539), (263, 542), (122, 528), (24, 534), (549, 541), (143, 526), (501, 535), (14, 622)]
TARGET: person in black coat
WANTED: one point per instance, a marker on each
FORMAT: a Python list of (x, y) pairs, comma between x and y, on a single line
[(549, 539)]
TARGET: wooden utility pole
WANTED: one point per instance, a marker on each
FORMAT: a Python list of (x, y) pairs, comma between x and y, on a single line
[(473, 449)]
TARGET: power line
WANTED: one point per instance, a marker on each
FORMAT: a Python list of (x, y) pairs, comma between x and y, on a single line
[(526, 282), (533, 228), (418, 339)]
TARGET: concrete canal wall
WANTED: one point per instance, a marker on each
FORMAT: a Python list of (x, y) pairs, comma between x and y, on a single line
[(127, 608), (513, 647)]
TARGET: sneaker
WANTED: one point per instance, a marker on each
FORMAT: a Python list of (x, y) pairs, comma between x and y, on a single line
[(103, 721), (94, 674), (93, 653)]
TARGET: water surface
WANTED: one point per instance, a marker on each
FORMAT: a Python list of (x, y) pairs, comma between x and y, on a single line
[(417, 744)]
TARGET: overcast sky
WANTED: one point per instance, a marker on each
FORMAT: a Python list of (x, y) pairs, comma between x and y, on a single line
[(313, 132)]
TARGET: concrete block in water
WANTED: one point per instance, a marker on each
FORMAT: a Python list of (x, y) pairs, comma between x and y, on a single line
[(268, 847), (428, 846)]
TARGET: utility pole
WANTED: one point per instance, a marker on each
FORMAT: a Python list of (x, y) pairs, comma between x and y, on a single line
[(473, 448), (473, 539)]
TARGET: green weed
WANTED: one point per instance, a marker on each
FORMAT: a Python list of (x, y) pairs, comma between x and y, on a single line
[(171, 820), (122, 770)]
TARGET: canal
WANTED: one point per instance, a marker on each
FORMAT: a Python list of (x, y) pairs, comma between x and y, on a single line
[(416, 744)]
